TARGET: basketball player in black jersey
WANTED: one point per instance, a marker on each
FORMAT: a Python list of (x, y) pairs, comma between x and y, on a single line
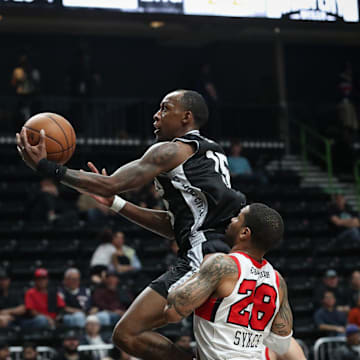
[(192, 176)]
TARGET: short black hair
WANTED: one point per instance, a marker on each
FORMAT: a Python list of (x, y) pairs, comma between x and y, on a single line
[(193, 101), (105, 235), (266, 225)]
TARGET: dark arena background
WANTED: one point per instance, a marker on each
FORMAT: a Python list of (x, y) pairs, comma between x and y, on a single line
[(282, 81)]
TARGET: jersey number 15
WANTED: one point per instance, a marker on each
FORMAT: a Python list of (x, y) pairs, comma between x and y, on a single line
[(221, 166)]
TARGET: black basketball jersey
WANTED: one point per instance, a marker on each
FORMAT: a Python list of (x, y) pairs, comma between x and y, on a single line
[(198, 194)]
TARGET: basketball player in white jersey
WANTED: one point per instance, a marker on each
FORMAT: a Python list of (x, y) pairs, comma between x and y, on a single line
[(240, 301)]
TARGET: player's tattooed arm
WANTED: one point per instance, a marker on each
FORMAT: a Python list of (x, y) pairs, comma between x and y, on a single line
[(183, 300), (283, 321), (158, 158)]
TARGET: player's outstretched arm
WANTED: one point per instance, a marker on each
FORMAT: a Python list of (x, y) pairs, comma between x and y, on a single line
[(279, 338), (283, 321), (295, 352), (159, 158), (213, 274), (157, 221)]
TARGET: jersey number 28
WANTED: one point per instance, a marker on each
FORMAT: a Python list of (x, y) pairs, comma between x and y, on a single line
[(263, 299)]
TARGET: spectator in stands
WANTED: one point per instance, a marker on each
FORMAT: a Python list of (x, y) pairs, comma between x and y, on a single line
[(354, 313), (345, 222), (346, 109), (11, 304), (125, 258), (330, 282), (25, 80), (327, 318), (92, 210), (238, 165), (4, 351), (109, 303), (206, 85), (29, 352), (353, 292), (351, 349), (43, 305), (77, 299), (147, 197), (92, 336), (70, 346), (101, 259), (171, 257), (47, 205), (183, 341)]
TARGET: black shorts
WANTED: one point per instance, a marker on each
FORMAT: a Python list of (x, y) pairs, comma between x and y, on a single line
[(182, 270)]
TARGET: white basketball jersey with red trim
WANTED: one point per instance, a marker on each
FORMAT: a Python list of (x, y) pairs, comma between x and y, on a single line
[(235, 327), (265, 354)]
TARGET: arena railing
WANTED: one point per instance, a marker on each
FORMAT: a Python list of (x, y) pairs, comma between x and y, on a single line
[(46, 353), (115, 117), (326, 345), (315, 145)]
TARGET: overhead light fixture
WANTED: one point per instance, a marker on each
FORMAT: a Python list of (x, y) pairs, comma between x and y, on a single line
[(156, 24)]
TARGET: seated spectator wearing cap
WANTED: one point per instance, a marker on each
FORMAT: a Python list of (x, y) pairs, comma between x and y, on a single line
[(328, 319), (344, 221), (42, 304), (11, 304), (92, 336), (350, 350), (124, 259), (77, 299), (69, 350), (108, 301), (354, 313), (353, 292), (30, 352), (4, 351), (331, 282)]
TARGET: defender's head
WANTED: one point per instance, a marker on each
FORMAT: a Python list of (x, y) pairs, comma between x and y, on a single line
[(257, 227), (180, 111)]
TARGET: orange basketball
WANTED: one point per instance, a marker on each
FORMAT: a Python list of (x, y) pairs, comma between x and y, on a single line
[(60, 135)]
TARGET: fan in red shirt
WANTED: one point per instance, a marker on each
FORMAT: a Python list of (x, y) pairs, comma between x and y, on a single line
[(42, 304)]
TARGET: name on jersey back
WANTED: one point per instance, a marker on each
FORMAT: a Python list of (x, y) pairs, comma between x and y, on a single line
[(260, 273)]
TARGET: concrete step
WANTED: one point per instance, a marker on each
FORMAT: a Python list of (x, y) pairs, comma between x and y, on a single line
[(314, 176)]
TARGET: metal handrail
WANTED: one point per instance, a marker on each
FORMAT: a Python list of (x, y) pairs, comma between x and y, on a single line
[(326, 342), (307, 132)]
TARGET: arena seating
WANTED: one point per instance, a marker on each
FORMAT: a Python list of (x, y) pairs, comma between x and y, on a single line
[(308, 249)]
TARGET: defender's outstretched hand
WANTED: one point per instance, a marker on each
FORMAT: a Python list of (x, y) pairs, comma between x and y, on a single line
[(31, 154)]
